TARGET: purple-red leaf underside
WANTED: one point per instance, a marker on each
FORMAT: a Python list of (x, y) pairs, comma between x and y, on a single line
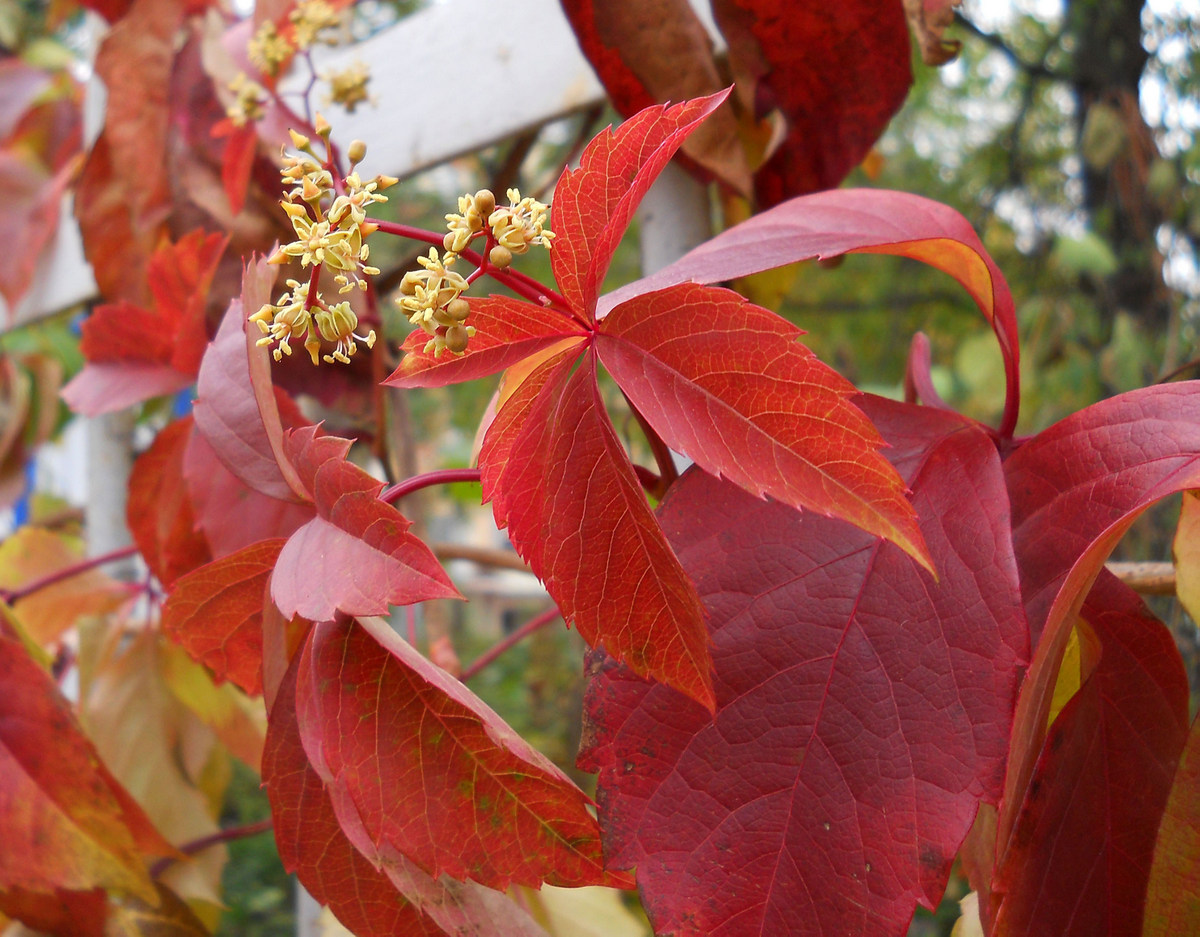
[(862, 712)]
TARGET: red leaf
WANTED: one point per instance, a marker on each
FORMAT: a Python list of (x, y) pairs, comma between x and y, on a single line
[(68, 825), (562, 484), (157, 350), (236, 409), (107, 388), (648, 52), (848, 752), (376, 717), (356, 556), (837, 73), (852, 221), (159, 510), (125, 193), (237, 162), (312, 845), (594, 204), (727, 383), (1080, 855), (1075, 489), (230, 514), (1173, 892), (216, 613), (507, 331)]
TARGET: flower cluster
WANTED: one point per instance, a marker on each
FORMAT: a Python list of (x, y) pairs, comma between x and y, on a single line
[(431, 297), (249, 99), (513, 227), (349, 86), (331, 227)]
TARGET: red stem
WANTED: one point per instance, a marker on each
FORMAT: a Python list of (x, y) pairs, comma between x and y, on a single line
[(662, 453), (522, 284), (75, 569), (534, 624), (417, 482), (213, 839)]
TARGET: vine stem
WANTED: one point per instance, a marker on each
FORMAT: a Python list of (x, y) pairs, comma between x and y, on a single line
[(213, 839), (536, 623), (75, 569), (397, 491)]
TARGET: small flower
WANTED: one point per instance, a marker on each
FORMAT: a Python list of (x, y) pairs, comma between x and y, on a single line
[(425, 291), (289, 319), (337, 324), (268, 50), (520, 224), (349, 86), (473, 209)]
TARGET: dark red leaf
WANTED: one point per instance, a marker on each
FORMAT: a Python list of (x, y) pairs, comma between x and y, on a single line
[(1079, 858), (1075, 490), (377, 718), (560, 481), (649, 52), (853, 221), (507, 331), (594, 204), (312, 845), (727, 383), (216, 613), (836, 72), (356, 556), (862, 709), (159, 510)]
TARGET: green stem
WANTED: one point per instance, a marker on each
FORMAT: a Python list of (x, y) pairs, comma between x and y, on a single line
[(11, 596), (417, 482), (534, 624)]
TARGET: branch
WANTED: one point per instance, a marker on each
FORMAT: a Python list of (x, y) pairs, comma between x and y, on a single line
[(502, 559), (1146, 578), (206, 842), (1034, 69), (534, 624), (11, 596)]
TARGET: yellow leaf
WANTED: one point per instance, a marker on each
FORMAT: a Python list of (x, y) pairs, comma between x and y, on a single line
[(1187, 554), (592, 911)]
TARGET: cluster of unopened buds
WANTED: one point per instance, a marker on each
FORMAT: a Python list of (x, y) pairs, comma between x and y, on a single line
[(432, 296), (331, 227)]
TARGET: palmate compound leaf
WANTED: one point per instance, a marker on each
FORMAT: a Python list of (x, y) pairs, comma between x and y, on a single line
[(726, 383), (863, 709), (1082, 845), (417, 765), (68, 826), (1075, 489), (215, 613), (356, 556)]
